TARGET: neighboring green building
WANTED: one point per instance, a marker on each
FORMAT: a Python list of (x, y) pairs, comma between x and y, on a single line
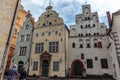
[(23, 45)]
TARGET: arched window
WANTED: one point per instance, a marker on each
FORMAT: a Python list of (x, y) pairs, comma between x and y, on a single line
[(94, 34), (97, 33), (81, 43), (73, 45), (88, 43), (95, 43), (81, 34)]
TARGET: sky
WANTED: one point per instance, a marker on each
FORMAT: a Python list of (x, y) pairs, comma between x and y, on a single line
[(67, 9)]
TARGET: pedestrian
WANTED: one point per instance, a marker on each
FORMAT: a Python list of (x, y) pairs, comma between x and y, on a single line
[(84, 73), (12, 73), (23, 74)]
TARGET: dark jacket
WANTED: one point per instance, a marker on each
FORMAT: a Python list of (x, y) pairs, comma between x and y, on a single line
[(23, 75), (12, 74)]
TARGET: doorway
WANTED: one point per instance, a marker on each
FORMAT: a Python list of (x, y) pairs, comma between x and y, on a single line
[(77, 68), (20, 65), (45, 68)]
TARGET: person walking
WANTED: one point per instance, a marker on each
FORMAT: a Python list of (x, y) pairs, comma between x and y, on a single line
[(23, 74), (12, 73)]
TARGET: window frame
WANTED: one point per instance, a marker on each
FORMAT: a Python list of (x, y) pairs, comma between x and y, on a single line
[(56, 65), (35, 66)]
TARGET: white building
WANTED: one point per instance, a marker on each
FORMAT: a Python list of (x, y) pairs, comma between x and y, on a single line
[(114, 47), (88, 44)]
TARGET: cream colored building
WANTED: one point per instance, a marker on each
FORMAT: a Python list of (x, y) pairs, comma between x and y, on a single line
[(49, 46)]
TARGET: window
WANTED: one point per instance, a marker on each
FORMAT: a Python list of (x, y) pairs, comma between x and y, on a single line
[(28, 37), (99, 44), (95, 43), (96, 58), (88, 43), (81, 27), (85, 18), (15, 31), (86, 34), (22, 38), (36, 34), (48, 15), (50, 23), (39, 47), (81, 43), (97, 33), (82, 56), (104, 63), (49, 33), (27, 26), (73, 45), (54, 47), (56, 32), (22, 51), (43, 24), (93, 25), (43, 34), (79, 35), (86, 26), (89, 25), (89, 34), (35, 66), (89, 63), (55, 65), (88, 18), (94, 34)]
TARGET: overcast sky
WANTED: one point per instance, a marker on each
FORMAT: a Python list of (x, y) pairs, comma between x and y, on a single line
[(67, 9)]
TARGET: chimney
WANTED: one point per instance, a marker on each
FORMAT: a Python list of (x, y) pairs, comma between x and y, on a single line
[(109, 18)]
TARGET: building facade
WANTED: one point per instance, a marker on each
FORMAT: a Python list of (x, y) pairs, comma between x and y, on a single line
[(88, 43), (49, 46), (20, 19), (6, 18), (114, 48), (23, 45)]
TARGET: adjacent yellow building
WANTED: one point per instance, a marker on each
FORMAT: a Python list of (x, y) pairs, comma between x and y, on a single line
[(49, 46)]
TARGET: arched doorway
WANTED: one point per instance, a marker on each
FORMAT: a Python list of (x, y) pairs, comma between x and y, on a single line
[(45, 68), (20, 65), (77, 68)]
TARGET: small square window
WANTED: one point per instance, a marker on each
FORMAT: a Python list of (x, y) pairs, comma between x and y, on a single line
[(43, 34), (36, 34)]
